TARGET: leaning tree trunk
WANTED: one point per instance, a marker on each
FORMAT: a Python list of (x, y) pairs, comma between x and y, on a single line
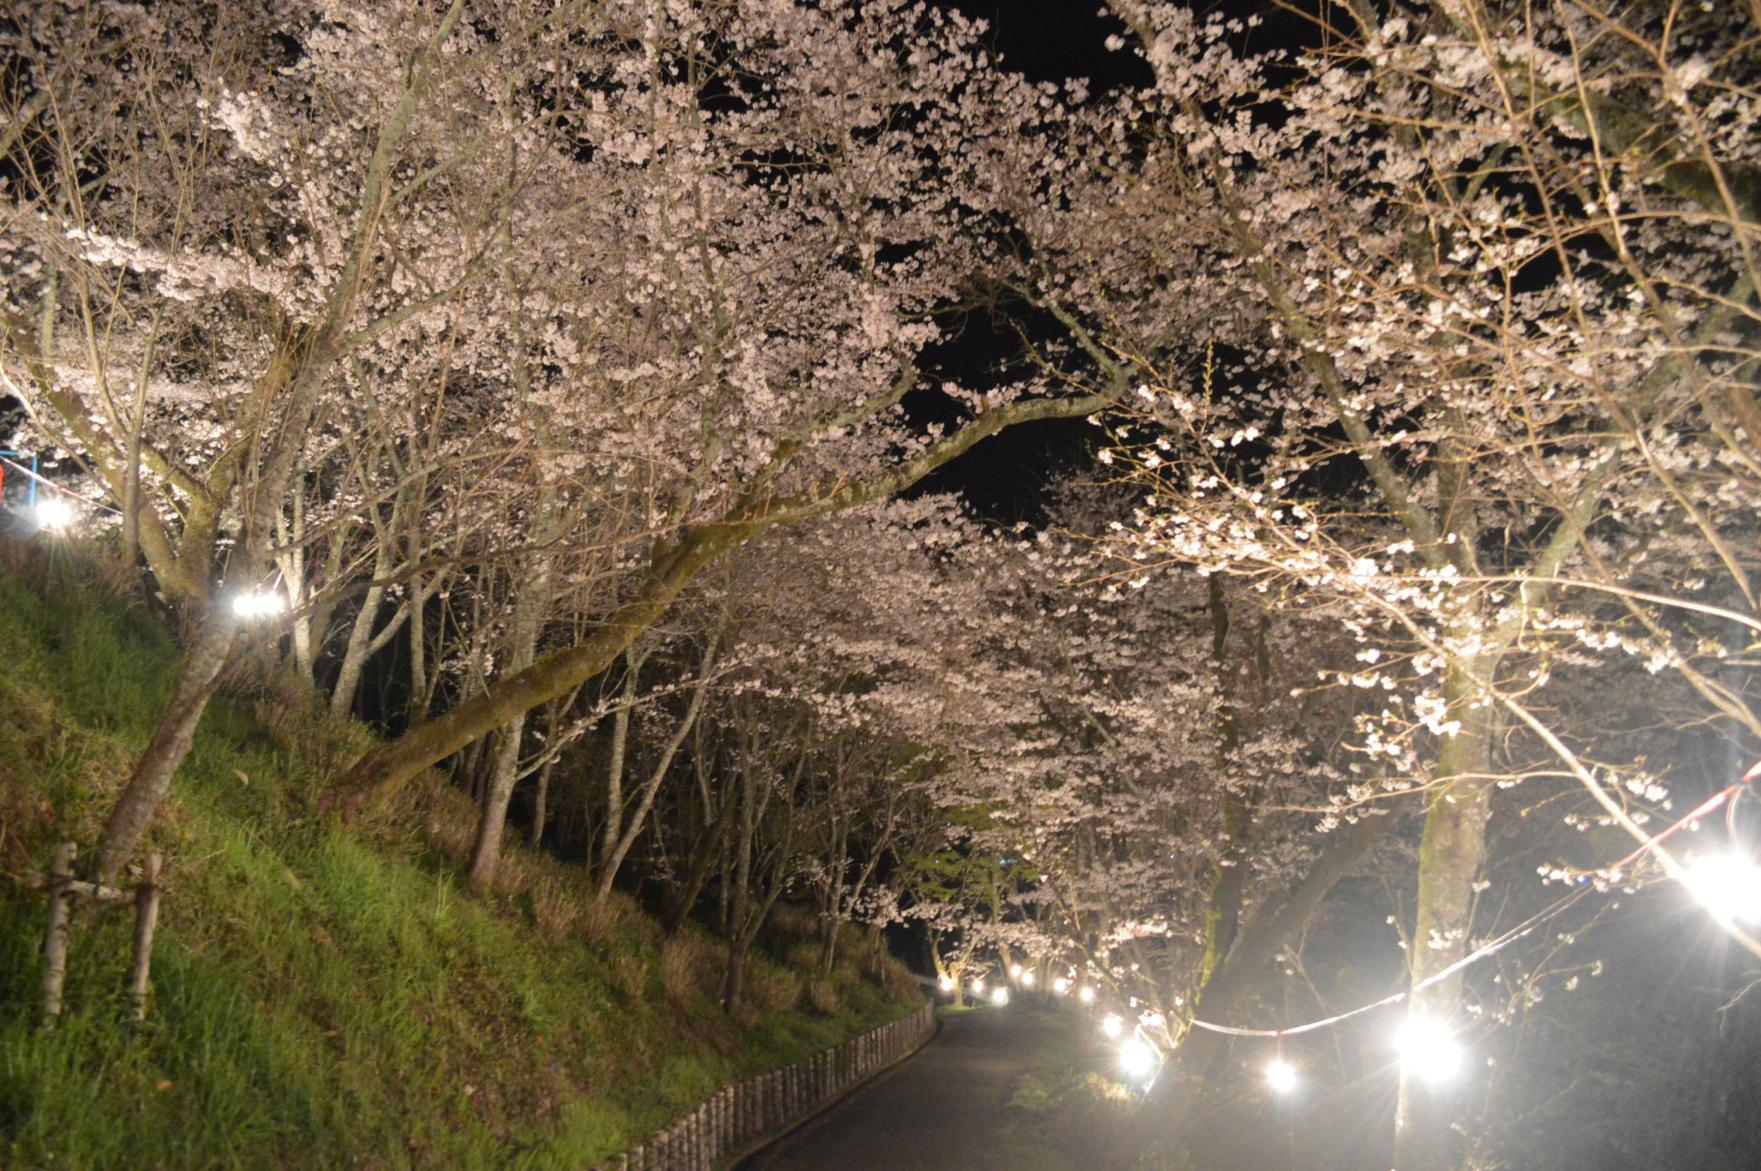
[(151, 780), (1450, 856), (617, 845)]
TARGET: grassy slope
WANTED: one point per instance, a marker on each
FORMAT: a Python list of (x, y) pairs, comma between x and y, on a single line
[(321, 998)]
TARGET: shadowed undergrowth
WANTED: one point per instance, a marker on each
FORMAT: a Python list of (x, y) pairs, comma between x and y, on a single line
[(328, 998)]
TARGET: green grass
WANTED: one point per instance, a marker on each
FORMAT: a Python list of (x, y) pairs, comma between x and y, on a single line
[(327, 998)]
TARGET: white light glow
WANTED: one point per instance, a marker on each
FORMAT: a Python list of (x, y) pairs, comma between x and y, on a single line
[(947, 983), (1727, 885), (1137, 1058), (1027, 979), (1087, 995), (1000, 997), (1428, 1050), (978, 985), (1112, 1026), (257, 604), (1281, 1076), (1060, 985), (53, 514), (1015, 971)]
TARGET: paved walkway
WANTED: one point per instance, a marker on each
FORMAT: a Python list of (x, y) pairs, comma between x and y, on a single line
[(947, 1107)]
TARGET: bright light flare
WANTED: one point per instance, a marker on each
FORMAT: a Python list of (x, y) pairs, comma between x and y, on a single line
[(1281, 1076), (1086, 995), (1015, 971), (946, 983), (1027, 979), (1428, 1050), (1137, 1058), (1728, 885), (53, 514), (257, 604), (978, 985), (1060, 985), (1000, 996), (1112, 1026)]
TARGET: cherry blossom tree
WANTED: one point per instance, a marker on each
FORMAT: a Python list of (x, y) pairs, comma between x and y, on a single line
[(1474, 288), (806, 192), (217, 223)]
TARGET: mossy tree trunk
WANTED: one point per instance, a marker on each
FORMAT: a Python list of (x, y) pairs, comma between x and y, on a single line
[(1451, 853), (198, 676), (379, 774)]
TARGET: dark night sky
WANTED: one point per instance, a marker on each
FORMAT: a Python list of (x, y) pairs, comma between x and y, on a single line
[(1006, 478)]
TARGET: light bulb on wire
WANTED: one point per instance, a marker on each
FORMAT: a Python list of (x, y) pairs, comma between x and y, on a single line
[(53, 514), (1428, 1050), (1137, 1058), (1728, 885)]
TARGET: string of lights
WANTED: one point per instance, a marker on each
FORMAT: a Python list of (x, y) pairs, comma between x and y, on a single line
[(1719, 873), (1728, 885), (1515, 933)]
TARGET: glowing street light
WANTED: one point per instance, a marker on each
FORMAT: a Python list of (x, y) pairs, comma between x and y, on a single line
[(258, 604), (1000, 996), (978, 985), (1281, 1076), (946, 983), (1060, 985), (1014, 971), (1137, 1058), (1027, 979), (1086, 995), (53, 514), (1728, 885), (1428, 1050), (1112, 1026)]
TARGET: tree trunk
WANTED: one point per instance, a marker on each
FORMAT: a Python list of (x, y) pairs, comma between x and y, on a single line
[(354, 657), (614, 768), (1450, 855), (383, 771), (492, 812), (151, 780), (540, 803), (734, 977), (711, 851), (529, 610), (619, 844), (420, 689), (1176, 1092)]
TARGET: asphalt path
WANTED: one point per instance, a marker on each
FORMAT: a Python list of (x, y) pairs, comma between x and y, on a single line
[(947, 1106)]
